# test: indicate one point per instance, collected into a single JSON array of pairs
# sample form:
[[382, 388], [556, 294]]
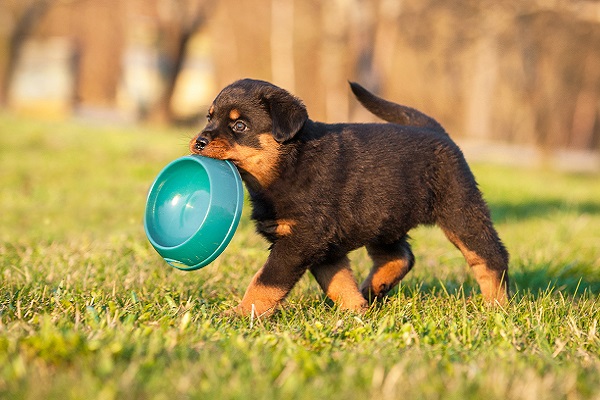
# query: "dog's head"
[[248, 123]]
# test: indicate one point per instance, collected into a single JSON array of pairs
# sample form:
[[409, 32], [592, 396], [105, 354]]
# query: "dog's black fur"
[[320, 190]]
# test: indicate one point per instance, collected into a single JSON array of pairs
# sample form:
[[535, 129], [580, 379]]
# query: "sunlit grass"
[[89, 310]]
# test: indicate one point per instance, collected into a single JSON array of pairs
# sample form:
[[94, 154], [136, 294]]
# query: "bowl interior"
[[178, 204]]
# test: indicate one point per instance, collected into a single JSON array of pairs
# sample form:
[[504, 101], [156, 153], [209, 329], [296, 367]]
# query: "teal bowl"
[[193, 209]]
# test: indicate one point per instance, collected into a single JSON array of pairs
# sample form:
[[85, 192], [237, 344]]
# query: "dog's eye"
[[239, 126], [208, 117]]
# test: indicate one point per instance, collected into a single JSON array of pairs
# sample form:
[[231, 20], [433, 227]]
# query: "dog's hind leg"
[[472, 232], [338, 283], [391, 262]]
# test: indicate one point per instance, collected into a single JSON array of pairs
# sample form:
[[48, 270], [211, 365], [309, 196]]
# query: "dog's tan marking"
[[234, 114], [284, 227], [492, 283], [388, 270], [211, 110], [339, 284], [280, 227], [261, 299], [261, 163]]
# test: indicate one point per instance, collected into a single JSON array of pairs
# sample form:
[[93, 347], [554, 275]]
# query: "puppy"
[[320, 190]]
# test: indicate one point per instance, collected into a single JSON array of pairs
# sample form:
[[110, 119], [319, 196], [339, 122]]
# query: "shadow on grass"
[[502, 211], [572, 281]]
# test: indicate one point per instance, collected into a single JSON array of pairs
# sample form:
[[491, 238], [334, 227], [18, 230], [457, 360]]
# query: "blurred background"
[[515, 80]]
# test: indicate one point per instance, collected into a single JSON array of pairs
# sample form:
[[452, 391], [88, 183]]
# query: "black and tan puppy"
[[321, 190]]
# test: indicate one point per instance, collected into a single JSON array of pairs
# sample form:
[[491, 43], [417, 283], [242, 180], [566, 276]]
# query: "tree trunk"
[[25, 25]]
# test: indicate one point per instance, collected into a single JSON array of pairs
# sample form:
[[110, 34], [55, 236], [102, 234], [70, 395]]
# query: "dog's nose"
[[201, 143]]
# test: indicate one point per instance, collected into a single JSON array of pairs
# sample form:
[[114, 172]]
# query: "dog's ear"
[[288, 115]]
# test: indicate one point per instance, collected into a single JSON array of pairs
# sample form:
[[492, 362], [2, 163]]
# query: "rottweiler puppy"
[[319, 191]]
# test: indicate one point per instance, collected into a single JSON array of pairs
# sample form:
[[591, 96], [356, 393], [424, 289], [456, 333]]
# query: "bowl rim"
[[200, 160]]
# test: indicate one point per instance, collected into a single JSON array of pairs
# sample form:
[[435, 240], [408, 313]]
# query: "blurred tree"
[[515, 71], [560, 61], [178, 21], [283, 71], [26, 15]]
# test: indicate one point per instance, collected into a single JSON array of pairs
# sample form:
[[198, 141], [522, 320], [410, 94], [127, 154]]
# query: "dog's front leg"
[[272, 283]]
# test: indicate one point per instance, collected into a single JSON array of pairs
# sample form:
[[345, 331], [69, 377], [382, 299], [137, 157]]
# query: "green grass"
[[89, 310]]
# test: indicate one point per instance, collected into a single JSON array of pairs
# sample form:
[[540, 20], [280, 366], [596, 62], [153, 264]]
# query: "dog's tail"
[[392, 112]]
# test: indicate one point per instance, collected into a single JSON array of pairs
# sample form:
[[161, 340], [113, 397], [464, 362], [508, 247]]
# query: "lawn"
[[89, 310]]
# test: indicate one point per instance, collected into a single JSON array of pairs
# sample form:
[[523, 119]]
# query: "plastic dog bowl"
[[193, 209]]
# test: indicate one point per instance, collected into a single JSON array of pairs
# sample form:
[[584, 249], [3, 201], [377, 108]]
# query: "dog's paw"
[[372, 296], [356, 305], [251, 311], [232, 312]]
